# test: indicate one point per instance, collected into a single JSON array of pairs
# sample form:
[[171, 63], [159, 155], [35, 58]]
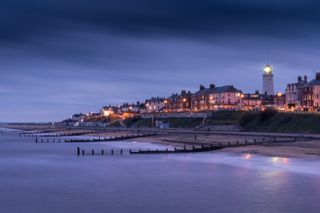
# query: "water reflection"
[[273, 160]]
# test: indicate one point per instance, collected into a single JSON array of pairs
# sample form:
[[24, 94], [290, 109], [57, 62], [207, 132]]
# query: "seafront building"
[[216, 98], [294, 93], [154, 104], [178, 102], [311, 94]]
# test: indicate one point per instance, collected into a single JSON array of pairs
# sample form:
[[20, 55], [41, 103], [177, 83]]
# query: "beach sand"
[[299, 149]]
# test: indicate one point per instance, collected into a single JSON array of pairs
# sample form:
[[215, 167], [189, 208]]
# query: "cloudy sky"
[[59, 57]]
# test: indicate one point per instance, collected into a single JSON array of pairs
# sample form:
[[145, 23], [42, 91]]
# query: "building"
[[154, 104], [216, 98], [200, 99], [267, 86], [294, 93], [178, 102], [129, 108], [311, 94], [279, 101], [183, 101], [251, 101]]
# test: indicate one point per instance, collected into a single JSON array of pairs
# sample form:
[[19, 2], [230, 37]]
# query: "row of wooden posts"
[[202, 148], [56, 135], [115, 138], [48, 141]]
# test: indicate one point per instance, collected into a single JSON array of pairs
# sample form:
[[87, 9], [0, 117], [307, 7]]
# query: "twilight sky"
[[59, 57]]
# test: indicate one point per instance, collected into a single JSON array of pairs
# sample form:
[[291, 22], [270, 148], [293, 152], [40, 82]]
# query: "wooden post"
[[92, 152], [195, 137], [78, 151], [83, 152], [102, 152], [111, 151], [121, 151]]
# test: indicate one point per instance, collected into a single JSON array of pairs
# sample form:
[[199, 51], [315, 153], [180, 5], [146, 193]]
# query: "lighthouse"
[[267, 87]]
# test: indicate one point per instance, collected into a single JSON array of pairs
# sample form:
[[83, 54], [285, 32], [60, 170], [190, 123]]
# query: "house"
[[154, 104], [183, 102], [216, 98], [129, 108], [178, 102], [311, 94], [251, 101], [294, 93]]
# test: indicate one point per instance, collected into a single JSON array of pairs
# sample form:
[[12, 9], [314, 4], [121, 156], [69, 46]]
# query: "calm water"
[[51, 178]]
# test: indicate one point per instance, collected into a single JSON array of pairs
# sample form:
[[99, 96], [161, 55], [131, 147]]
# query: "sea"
[[51, 177]]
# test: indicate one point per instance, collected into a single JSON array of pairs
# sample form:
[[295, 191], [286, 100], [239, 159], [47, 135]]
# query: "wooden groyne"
[[104, 139], [187, 149], [56, 135], [47, 140]]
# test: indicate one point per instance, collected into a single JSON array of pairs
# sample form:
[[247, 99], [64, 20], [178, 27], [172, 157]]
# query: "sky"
[[60, 57]]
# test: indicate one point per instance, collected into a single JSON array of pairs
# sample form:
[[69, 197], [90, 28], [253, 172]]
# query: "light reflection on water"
[[51, 178]]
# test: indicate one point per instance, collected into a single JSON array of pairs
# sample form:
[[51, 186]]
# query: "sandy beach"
[[300, 149]]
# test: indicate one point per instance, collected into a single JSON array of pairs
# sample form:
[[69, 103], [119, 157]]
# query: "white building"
[[267, 87], [154, 104]]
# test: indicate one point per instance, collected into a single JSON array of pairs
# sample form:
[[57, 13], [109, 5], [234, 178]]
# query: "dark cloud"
[[31, 19], [63, 56]]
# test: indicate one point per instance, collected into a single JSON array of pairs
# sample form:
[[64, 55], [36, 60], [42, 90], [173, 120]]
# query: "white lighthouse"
[[267, 87]]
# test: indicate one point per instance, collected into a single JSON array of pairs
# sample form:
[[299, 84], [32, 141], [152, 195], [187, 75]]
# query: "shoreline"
[[309, 150]]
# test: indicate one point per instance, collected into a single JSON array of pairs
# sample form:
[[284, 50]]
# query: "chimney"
[[202, 87], [305, 79], [183, 92], [299, 79], [212, 86], [318, 75]]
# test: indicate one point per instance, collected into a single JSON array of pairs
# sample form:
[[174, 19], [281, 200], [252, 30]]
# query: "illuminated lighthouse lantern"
[[267, 87]]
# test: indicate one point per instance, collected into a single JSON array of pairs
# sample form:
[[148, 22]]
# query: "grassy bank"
[[267, 121], [271, 121], [218, 118]]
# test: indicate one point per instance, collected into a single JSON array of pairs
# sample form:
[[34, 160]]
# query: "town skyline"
[[141, 97]]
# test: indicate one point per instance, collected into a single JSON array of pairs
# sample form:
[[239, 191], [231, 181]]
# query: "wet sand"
[[299, 149]]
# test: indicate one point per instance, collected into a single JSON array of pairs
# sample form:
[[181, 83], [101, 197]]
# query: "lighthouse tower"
[[267, 87]]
